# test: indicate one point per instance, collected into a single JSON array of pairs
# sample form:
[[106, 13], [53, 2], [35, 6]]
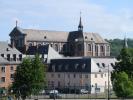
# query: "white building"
[[80, 72]]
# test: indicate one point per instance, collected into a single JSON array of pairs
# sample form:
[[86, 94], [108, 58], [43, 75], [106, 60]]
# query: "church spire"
[[125, 45], [80, 27]]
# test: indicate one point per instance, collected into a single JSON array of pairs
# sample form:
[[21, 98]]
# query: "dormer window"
[[59, 67], [112, 64], [83, 66], [8, 57], [66, 67], [103, 64], [14, 57], [45, 37], [85, 37], [76, 66], [98, 64], [20, 57], [2, 55], [7, 49]]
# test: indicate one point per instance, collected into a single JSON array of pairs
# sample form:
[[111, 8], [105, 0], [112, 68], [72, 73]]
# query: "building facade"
[[10, 58], [74, 43], [78, 73]]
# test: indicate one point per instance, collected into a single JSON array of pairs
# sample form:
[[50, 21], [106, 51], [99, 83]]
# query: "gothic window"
[[96, 48], [64, 47], [89, 47], [56, 47], [101, 48]]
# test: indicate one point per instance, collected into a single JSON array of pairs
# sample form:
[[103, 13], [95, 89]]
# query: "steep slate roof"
[[6, 49], [3, 61], [41, 35], [46, 35], [93, 37]]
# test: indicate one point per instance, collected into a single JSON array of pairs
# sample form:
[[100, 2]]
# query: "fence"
[[72, 92]]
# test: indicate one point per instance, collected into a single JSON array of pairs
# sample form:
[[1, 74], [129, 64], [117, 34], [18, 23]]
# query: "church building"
[[73, 43]]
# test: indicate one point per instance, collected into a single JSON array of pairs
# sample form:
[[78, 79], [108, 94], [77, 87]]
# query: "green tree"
[[122, 85], [29, 77], [122, 74]]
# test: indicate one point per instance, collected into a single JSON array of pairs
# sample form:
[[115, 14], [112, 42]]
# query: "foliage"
[[122, 85], [122, 74], [117, 44], [29, 77]]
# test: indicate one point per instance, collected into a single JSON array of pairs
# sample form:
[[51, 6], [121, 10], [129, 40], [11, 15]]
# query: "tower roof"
[[125, 45], [80, 27]]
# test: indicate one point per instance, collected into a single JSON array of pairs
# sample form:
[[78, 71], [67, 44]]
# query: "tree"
[[122, 85], [29, 77], [122, 74]]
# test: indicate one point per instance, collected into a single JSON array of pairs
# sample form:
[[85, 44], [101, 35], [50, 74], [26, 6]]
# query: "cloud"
[[64, 15]]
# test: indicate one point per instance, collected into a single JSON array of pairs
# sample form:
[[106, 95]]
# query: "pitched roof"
[[93, 37], [41, 35], [59, 36], [3, 61], [6, 49]]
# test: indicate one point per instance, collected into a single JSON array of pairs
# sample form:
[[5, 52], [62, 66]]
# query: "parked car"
[[84, 91], [55, 96], [54, 91]]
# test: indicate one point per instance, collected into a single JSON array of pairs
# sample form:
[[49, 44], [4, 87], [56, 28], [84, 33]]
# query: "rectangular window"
[[2, 79], [11, 68], [12, 77], [3, 69]]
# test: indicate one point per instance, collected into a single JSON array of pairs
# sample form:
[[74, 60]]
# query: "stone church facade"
[[74, 43]]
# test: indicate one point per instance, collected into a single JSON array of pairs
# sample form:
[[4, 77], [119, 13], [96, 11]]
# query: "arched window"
[[30, 44], [101, 48], [96, 48], [89, 47], [56, 47]]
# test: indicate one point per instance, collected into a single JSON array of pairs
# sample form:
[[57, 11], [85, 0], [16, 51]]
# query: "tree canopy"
[[29, 77], [122, 75]]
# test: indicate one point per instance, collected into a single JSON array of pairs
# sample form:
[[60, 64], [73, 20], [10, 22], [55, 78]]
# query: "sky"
[[110, 18]]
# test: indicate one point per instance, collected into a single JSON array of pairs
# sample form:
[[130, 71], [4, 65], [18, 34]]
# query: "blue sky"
[[109, 18]]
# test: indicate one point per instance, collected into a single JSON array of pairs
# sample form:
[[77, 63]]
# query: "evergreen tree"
[[29, 77]]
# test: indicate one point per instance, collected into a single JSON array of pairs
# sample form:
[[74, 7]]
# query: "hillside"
[[117, 44]]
